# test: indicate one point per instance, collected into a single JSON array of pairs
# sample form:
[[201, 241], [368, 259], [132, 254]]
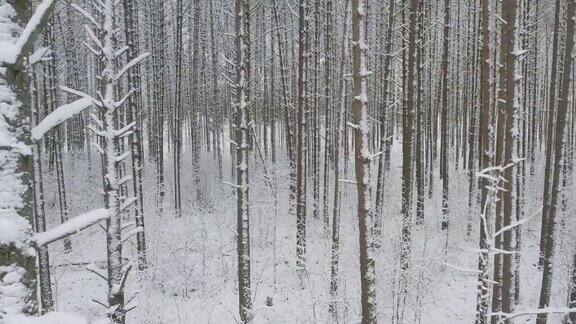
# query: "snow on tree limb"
[[511, 226], [11, 52], [81, 94], [528, 312], [60, 115], [39, 55], [72, 226], [86, 14], [132, 63]]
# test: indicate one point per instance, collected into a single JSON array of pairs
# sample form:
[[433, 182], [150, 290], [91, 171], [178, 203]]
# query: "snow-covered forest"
[[287, 161]]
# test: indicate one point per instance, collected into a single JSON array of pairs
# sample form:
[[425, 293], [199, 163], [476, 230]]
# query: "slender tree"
[[383, 122], [559, 131], [363, 158], [300, 139], [178, 110], [339, 129], [482, 305], [242, 134], [134, 109], [550, 132], [507, 102], [444, 152]]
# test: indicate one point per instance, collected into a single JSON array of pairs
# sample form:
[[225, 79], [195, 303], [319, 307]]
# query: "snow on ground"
[[192, 272]]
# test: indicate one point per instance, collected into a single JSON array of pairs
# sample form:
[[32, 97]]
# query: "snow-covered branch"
[[39, 55], [82, 94], [131, 64], [11, 52], [87, 15], [72, 226], [60, 115], [548, 310]]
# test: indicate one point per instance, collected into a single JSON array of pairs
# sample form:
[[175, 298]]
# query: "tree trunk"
[[384, 140], [362, 163], [18, 169], [483, 294], [557, 160], [300, 141], [550, 135], [178, 111], [242, 107], [339, 128], [444, 152], [134, 111], [506, 124]]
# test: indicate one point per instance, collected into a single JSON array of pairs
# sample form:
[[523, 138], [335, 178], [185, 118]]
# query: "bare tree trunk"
[[178, 111], [444, 167], [57, 139], [300, 140], [328, 108], [216, 93], [550, 135], [315, 154], [407, 152], [283, 62], [242, 131], [339, 128], [112, 159], [362, 163], [483, 295], [134, 111], [418, 140], [44, 278], [158, 102], [383, 134], [558, 161], [506, 123], [572, 290]]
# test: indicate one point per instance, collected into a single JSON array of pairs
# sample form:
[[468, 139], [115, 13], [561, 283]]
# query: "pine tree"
[[242, 136], [363, 158]]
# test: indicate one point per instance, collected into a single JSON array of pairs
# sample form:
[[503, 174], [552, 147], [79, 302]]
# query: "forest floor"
[[191, 276]]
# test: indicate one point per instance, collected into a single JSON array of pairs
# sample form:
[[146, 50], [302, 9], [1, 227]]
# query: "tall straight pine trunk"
[[483, 294], [548, 174], [559, 131], [242, 133], [301, 141], [506, 134], [17, 264], [362, 158]]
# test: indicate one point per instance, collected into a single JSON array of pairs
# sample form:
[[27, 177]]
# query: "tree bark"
[[362, 163], [242, 132], [557, 160]]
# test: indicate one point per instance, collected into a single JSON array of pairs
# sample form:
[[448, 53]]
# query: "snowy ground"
[[192, 276]]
